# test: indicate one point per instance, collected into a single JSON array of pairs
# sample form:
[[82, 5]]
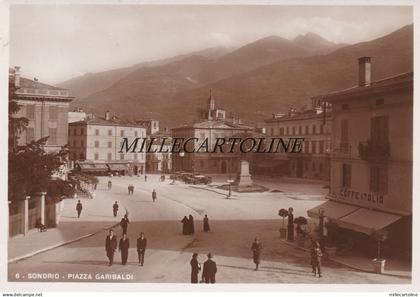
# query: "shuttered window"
[[346, 176], [379, 179], [344, 131], [379, 130]]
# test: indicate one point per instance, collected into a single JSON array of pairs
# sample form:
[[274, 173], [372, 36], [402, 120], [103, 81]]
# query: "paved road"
[[234, 223]]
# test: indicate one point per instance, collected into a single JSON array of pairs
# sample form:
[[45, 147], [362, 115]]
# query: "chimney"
[[17, 76], [364, 71], [107, 115]]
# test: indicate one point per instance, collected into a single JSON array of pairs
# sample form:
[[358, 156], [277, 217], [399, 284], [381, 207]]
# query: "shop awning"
[[332, 210], [92, 167], [367, 221], [117, 167]]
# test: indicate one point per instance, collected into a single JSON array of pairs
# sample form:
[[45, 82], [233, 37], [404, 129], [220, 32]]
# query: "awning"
[[367, 221], [332, 210], [92, 167], [117, 167]]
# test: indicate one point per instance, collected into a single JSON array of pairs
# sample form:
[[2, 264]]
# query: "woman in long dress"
[[185, 225], [191, 223], [206, 226], [256, 251]]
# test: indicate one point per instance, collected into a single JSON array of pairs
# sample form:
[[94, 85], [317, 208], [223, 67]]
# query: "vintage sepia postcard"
[[209, 143]]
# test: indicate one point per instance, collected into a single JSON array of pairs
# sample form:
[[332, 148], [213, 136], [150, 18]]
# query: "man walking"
[[195, 268], [141, 247], [316, 255], [154, 195], [123, 246], [79, 208], [109, 185], [209, 270], [256, 251], [124, 223], [115, 208], [110, 246]]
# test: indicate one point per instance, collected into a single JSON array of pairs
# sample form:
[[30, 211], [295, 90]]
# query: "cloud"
[[221, 39]]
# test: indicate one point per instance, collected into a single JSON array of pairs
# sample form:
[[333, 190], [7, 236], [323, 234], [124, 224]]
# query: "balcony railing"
[[374, 151], [343, 150]]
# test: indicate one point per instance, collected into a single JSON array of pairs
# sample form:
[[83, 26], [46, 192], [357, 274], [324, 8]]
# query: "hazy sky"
[[57, 42]]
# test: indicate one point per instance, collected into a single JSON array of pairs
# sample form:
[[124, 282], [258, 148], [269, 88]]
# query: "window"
[[293, 131], [321, 168], [272, 131], [81, 131], [202, 135], [380, 101], [30, 134], [82, 143], [306, 147], [96, 156], [379, 179], [300, 130], [313, 148], [75, 143], [287, 130], [81, 156], [52, 139], [379, 130], [313, 166], [30, 112], [96, 131], [96, 143], [136, 133], [53, 112], [122, 133], [121, 156], [135, 157], [109, 144], [321, 147], [109, 157], [306, 130], [321, 129], [313, 129], [346, 176], [344, 131], [109, 132], [281, 131]]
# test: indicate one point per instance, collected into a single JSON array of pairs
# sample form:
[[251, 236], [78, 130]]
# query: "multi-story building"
[[213, 125], [371, 166], [46, 109], [98, 141], [315, 127]]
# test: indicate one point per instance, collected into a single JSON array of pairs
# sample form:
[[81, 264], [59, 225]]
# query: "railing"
[[344, 150], [374, 151]]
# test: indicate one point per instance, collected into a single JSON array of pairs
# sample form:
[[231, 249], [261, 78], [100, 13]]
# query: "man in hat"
[[141, 247], [110, 246], [209, 270], [115, 208], [79, 208]]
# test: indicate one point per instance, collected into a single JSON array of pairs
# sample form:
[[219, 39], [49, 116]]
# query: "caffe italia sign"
[[367, 197]]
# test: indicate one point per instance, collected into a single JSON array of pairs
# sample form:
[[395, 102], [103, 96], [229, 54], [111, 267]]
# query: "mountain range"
[[269, 75]]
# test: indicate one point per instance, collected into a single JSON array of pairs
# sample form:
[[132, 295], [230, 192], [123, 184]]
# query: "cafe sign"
[[362, 197]]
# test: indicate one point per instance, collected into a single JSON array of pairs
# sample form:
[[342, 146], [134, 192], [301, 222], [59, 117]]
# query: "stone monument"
[[244, 176]]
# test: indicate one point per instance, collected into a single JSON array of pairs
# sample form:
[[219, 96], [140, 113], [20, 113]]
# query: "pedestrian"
[[141, 247], [154, 195], [290, 229], [115, 208], [206, 226], [316, 256], [145, 178], [109, 185], [132, 189], [124, 223], [191, 225], [195, 268], [185, 225], [41, 227], [110, 246], [209, 270], [129, 189], [123, 247], [79, 208], [256, 251]]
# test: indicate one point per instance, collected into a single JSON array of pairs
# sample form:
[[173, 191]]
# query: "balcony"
[[343, 151], [371, 151]]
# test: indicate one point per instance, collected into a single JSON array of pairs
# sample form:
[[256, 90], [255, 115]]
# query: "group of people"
[[209, 269], [130, 189], [123, 247], [188, 225]]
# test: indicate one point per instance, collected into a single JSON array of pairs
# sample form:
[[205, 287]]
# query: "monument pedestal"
[[244, 176]]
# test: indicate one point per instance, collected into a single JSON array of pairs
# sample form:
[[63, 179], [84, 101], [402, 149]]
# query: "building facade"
[[315, 127], [98, 141], [371, 166], [46, 108]]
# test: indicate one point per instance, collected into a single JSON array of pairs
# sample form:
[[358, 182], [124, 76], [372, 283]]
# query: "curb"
[[56, 245], [211, 190], [344, 263]]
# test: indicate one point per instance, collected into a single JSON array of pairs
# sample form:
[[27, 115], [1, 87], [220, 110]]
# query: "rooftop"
[[111, 122], [307, 114], [389, 81], [214, 124]]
